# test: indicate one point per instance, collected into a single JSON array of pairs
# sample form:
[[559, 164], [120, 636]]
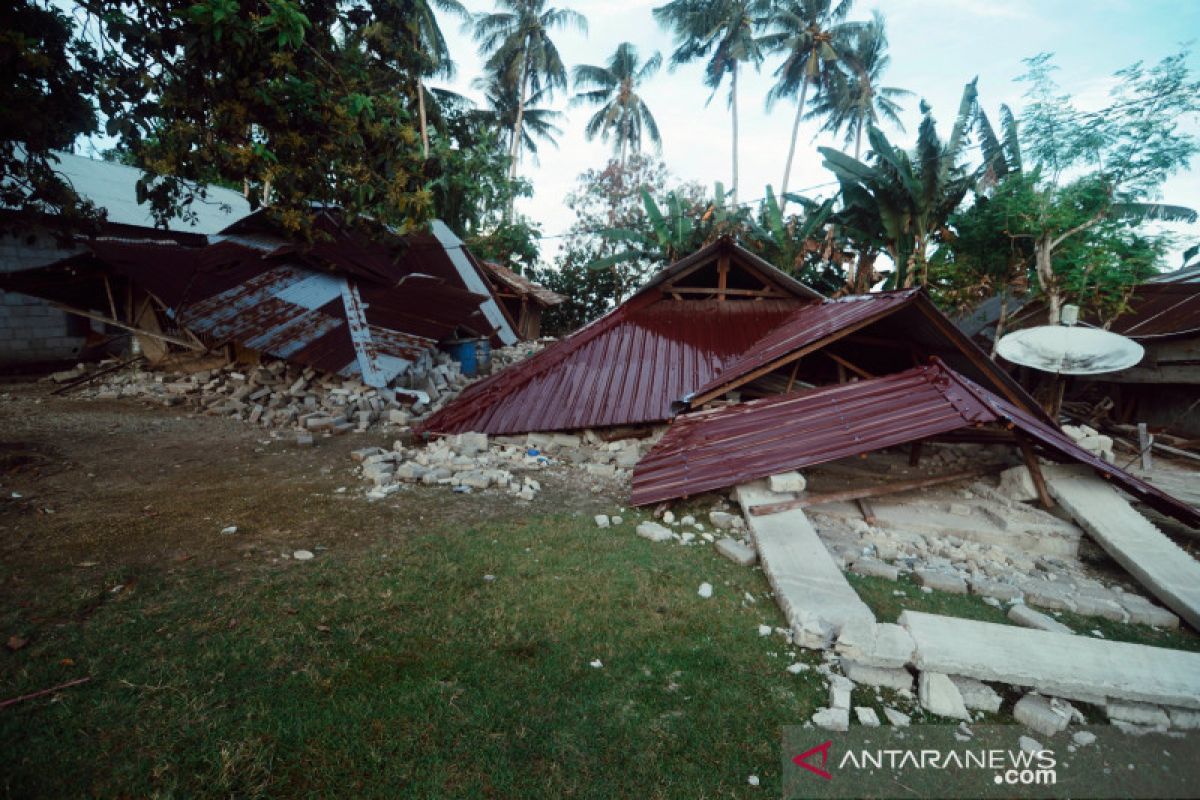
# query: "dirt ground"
[[105, 484]]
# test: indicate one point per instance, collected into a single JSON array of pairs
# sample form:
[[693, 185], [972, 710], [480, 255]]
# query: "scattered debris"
[[705, 590], [303, 555]]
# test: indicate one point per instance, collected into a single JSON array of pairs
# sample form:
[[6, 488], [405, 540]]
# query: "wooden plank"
[[66, 387], [1144, 442], [866, 491], [112, 303], [862, 373], [722, 277], [118, 324], [868, 510], [787, 359], [1035, 471]]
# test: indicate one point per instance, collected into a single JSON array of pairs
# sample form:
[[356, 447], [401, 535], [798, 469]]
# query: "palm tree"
[[426, 40], [503, 108], [721, 31], [521, 55], [622, 110], [854, 100], [812, 34]]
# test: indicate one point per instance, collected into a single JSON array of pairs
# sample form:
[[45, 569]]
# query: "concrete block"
[[1017, 484], [1026, 617], [866, 716], [977, 695], [1184, 720], [889, 678], [941, 581], [654, 532], [787, 482], [875, 644], [602, 520], [1136, 713], [875, 569], [721, 520], [737, 552], [989, 588], [1036, 712], [938, 695], [833, 719], [896, 717]]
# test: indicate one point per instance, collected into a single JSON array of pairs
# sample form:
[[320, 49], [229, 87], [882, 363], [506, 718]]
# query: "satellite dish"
[[1070, 351]]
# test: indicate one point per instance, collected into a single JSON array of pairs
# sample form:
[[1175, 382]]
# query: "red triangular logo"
[[802, 760]]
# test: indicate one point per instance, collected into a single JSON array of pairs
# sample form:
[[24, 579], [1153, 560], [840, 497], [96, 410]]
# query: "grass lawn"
[[399, 670]]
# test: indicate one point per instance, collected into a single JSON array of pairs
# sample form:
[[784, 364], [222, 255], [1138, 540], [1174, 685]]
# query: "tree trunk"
[[424, 120], [1001, 322], [734, 111], [1048, 280], [864, 271], [787, 167], [858, 141], [515, 145]]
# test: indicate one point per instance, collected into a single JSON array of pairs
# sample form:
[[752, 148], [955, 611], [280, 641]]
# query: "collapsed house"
[[720, 320], [372, 308], [524, 300]]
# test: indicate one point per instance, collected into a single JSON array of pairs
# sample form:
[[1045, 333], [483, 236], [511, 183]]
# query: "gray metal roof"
[[113, 187]]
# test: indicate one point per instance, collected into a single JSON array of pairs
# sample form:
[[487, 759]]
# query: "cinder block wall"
[[30, 329]]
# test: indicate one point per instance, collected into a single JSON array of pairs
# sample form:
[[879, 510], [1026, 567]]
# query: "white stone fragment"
[[834, 719], [938, 695], [654, 532], [866, 716], [895, 717], [302, 555], [1037, 713], [602, 520], [705, 590], [737, 552]]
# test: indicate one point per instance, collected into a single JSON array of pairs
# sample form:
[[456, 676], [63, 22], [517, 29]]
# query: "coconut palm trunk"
[[787, 167], [734, 109], [424, 119], [515, 147]]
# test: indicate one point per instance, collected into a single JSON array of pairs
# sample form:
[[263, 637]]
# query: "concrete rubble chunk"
[[1029, 745], [1163, 567], [885, 677], [941, 581], [787, 482], [875, 569], [602, 520], [1036, 712], [654, 532], [833, 719], [996, 589], [938, 695], [896, 717], [1137, 713], [1183, 719], [885, 645], [866, 716], [977, 695], [1083, 738], [1017, 484], [1026, 617], [736, 552], [811, 590], [722, 520], [1056, 664]]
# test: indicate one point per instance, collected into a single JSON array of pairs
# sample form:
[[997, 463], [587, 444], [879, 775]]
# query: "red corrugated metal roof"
[[626, 367], [732, 445], [905, 315]]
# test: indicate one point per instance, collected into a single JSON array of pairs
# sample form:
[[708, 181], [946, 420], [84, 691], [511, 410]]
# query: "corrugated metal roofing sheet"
[[522, 285], [1159, 310], [732, 445], [626, 367]]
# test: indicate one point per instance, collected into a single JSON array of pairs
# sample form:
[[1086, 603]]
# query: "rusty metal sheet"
[[1159, 310], [724, 447], [716, 449], [625, 368]]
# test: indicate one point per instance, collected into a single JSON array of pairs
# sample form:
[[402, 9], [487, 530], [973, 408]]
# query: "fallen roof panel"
[[729, 446]]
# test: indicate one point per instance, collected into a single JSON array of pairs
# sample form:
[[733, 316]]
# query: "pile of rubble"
[[278, 394], [475, 462]]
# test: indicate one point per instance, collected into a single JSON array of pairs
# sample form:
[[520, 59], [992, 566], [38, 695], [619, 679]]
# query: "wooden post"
[[1145, 445], [914, 454], [722, 277], [792, 377], [1035, 471]]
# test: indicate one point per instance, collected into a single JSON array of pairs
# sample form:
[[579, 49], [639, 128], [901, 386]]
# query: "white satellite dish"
[[1067, 350]]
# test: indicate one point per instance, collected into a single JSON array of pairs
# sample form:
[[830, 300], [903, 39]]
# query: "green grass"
[[399, 671]]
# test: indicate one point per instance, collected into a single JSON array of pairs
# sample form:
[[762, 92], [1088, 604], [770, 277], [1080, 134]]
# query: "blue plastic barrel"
[[471, 354]]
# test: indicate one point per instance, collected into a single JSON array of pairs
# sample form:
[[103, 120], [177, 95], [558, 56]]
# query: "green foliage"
[[44, 105], [614, 87]]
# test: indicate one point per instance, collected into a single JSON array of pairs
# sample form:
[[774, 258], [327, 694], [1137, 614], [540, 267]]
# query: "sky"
[[936, 46]]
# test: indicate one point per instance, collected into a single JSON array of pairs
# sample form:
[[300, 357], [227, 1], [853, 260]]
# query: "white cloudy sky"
[[936, 47]]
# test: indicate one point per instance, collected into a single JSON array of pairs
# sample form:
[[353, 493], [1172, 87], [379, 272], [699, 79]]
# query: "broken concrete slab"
[[896, 717], [1037, 713], [873, 644], [938, 695], [722, 520], [1017, 484], [977, 695], [1057, 664], [866, 716], [1028, 618], [1159, 564], [810, 589], [737, 552], [997, 589], [875, 569], [1184, 720]]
